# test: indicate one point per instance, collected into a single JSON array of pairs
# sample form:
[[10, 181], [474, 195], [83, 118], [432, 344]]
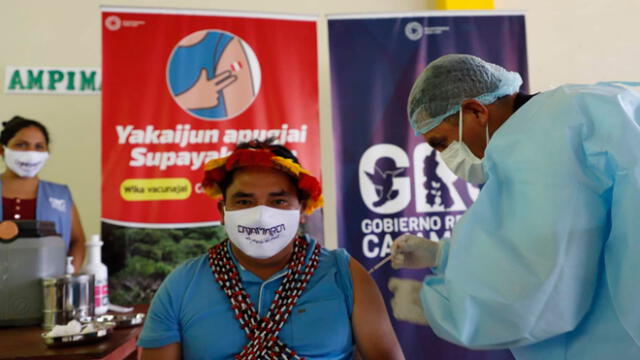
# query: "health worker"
[[25, 150], [545, 262]]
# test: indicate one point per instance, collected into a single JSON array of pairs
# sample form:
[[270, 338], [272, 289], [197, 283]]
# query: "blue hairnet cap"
[[449, 80]]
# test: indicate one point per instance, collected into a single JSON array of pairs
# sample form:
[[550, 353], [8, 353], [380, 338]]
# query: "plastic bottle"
[[70, 268], [95, 266]]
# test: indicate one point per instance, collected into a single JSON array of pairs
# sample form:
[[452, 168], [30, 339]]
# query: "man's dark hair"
[[277, 150], [17, 123], [268, 144]]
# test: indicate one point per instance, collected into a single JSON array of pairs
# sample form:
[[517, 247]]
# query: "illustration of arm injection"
[[236, 66], [228, 75]]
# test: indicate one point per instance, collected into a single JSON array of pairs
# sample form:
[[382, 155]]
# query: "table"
[[26, 343]]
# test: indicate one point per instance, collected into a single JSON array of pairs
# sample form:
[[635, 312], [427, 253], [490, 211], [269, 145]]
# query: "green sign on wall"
[[52, 80]]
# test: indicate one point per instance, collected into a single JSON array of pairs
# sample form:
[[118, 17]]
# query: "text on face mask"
[[274, 230]]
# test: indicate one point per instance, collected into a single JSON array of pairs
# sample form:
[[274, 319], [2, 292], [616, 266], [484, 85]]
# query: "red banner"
[[183, 87]]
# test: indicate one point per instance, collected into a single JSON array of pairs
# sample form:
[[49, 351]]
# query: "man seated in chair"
[[267, 292]]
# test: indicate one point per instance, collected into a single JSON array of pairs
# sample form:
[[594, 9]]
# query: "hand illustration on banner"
[[199, 96], [213, 75]]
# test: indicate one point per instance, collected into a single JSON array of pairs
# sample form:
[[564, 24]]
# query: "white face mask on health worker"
[[25, 163], [461, 161], [261, 231]]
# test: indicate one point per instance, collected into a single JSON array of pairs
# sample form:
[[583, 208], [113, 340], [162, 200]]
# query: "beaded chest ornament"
[[263, 332]]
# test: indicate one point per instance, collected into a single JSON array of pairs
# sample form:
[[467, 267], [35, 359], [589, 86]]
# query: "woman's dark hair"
[[277, 150], [17, 123]]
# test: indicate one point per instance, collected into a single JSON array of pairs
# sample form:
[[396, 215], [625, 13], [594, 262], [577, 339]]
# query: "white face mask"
[[25, 163], [462, 162], [261, 231]]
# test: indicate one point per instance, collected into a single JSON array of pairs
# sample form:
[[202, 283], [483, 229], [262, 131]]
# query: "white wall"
[[568, 41], [580, 41]]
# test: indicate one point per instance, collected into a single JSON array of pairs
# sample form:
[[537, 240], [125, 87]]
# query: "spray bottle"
[[70, 269], [95, 266]]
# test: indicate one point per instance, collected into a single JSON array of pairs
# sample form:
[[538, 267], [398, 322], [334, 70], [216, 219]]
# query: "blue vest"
[[53, 203]]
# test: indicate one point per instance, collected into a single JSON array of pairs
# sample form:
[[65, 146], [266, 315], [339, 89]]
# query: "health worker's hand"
[[414, 252], [405, 303]]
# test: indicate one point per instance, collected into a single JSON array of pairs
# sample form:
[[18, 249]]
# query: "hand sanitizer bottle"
[[95, 266]]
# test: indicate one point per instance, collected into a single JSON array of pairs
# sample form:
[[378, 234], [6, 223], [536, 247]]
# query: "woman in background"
[[25, 149]]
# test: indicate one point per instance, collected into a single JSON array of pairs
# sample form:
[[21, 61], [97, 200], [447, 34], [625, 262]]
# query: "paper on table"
[[120, 309], [71, 328]]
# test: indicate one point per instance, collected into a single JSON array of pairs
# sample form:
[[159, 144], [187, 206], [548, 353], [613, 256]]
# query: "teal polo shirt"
[[191, 308]]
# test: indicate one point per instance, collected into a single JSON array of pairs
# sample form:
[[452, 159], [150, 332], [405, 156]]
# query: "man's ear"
[[303, 218], [221, 210], [479, 111]]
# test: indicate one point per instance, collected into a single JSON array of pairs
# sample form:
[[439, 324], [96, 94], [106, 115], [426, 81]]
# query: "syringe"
[[378, 265]]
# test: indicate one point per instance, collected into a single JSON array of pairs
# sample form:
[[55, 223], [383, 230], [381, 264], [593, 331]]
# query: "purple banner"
[[389, 181]]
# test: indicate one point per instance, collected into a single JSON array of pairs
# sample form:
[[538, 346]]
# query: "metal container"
[[67, 298], [35, 253]]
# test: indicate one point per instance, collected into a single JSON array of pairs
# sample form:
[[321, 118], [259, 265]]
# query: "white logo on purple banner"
[[390, 178]]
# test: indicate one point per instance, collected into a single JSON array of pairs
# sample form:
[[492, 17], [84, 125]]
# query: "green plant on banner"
[[139, 259]]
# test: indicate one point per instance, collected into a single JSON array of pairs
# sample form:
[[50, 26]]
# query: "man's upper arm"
[[167, 352], [372, 328]]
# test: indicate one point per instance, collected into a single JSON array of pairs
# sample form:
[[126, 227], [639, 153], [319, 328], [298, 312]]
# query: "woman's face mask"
[[25, 163], [261, 231], [461, 161]]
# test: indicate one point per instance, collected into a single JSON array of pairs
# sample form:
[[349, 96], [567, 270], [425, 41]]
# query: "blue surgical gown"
[[547, 260]]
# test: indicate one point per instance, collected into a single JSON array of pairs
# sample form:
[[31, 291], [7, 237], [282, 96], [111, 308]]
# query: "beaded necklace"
[[263, 333]]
